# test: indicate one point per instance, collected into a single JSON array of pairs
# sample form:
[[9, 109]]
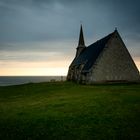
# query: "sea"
[[17, 80]]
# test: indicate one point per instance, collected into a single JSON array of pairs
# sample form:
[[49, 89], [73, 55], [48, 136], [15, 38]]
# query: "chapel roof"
[[90, 54]]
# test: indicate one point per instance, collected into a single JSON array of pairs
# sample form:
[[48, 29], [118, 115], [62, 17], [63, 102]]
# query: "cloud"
[[40, 20], [50, 20]]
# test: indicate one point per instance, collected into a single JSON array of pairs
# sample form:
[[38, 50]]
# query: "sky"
[[39, 37]]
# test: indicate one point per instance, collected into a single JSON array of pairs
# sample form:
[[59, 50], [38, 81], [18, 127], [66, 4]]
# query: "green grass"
[[68, 111]]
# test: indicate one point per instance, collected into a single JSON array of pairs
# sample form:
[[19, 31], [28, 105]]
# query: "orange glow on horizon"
[[34, 72], [50, 68], [34, 68]]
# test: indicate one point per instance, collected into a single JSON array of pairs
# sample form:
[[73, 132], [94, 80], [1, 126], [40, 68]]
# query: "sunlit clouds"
[[35, 64], [37, 60], [34, 71]]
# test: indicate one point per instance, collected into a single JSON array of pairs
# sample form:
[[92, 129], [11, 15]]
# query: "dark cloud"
[[28, 20], [36, 21]]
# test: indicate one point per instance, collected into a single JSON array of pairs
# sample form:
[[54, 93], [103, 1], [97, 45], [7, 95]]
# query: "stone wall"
[[75, 73], [114, 64]]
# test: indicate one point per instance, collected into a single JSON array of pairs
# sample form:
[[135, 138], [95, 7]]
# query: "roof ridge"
[[109, 35]]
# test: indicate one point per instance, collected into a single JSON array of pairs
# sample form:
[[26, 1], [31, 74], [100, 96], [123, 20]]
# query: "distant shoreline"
[[17, 80]]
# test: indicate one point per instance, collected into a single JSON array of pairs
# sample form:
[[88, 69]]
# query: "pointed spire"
[[81, 44], [81, 37]]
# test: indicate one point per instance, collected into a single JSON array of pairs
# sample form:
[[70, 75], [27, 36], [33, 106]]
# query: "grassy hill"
[[67, 111]]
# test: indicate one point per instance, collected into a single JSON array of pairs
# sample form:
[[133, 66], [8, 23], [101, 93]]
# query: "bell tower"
[[81, 44]]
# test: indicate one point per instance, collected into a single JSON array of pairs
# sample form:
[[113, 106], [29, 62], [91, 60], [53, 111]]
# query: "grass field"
[[67, 111]]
